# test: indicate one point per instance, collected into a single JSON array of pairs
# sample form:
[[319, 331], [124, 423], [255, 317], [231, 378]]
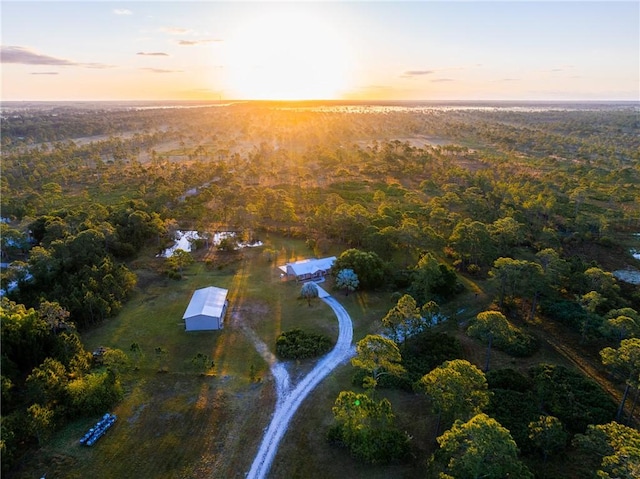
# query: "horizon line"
[[327, 100]]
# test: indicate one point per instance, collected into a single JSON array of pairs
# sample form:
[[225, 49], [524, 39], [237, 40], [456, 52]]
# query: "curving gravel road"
[[290, 401]]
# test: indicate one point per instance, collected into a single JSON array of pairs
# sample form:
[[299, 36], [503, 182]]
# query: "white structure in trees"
[[206, 309], [307, 269]]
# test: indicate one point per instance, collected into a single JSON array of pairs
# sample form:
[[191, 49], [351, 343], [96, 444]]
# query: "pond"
[[184, 238]]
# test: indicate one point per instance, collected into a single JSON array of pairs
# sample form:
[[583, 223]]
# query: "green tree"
[[493, 328], [406, 319], [43, 266], [432, 280], [517, 279], [116, 360], [41, 421], [480, 448], [602, 281], [24, 337], [623, 323], [69, 350], [94, 392], [506, 233], [554, 268], [179, 259], [426, 276], [367, 428], [548, 435], [347, 280], [309, 291], [365, 264], [602, 291], [457, 389], [612, 448], [472, 241], [505, 272], [55, 316], [626, 362], [46, 383], [12, 241], [377, 355]]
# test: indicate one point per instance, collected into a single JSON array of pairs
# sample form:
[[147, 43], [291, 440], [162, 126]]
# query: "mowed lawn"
[[175, 421]]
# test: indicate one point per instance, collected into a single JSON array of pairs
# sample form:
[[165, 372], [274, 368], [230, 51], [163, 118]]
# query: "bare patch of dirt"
[[249, 313]]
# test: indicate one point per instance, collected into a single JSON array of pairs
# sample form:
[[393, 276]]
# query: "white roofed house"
[[206, 309], [309, 269]]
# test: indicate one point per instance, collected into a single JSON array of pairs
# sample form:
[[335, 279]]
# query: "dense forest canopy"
[[541, 201]]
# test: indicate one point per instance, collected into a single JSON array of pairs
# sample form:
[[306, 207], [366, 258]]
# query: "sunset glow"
[[287, 56]]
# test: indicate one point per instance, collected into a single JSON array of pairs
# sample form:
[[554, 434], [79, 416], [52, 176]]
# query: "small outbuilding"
[[309, 269], [206, 309]]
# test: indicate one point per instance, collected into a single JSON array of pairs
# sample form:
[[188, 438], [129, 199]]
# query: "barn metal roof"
[[207, 301]]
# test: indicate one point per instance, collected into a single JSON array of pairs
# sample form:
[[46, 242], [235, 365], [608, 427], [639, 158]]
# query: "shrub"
[[387, 381], [571, 397], [473, 270], [94, 393], [514, 410], [367, 429], [297, 344], [509, 379], [566, 312], [426, 350], [505, 336]]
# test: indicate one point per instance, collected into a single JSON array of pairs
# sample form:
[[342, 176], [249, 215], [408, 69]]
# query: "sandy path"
[[278, 370], [289, 402]]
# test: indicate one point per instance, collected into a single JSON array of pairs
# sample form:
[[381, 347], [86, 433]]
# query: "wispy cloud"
[[438, 80], [24, 56], [198, 42], [153, 54], [417, 73], [161, 70], [176, 30], [44, 73], [122, 11], [563, 68], [99, 66], [508, 79]]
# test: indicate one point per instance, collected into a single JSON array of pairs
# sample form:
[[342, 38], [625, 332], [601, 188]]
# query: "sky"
[[417, 50]]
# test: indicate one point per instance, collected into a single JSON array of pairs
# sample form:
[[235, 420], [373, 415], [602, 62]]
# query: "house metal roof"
[[311, 266]]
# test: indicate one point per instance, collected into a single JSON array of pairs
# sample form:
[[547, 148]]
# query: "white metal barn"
[[206, 309]]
